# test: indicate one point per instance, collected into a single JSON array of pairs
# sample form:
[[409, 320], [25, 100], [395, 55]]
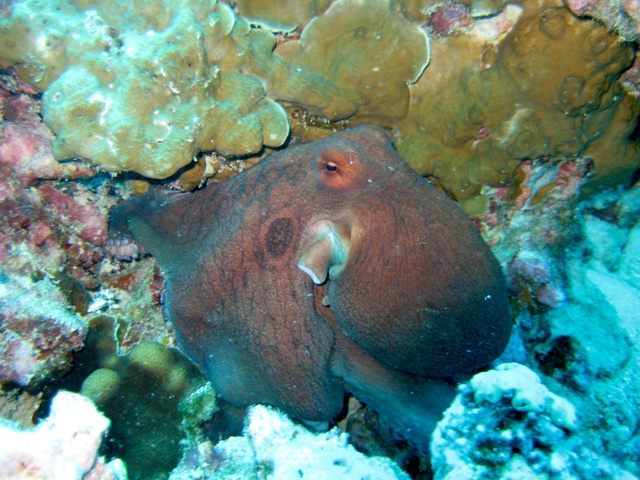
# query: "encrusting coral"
[[505, 422], [543, 84], [147, 86], [273, 446], [281, 15], [366, 49], [131, 86], [38, 331]]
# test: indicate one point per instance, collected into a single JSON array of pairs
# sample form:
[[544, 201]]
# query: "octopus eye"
[[332, 167]]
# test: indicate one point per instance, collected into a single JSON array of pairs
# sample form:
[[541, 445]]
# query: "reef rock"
[[274, 446], [62, 447], [506, 424], [39, 331]]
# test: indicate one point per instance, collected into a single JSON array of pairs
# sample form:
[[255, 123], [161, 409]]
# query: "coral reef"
[[506, 424], [156, 400], [477, 103], [138, 88], [274, 447], [55, 224], [572, 269], [62, 447], [39, 332], [622, 16], [25, 148], [523, 107], [150, 89]]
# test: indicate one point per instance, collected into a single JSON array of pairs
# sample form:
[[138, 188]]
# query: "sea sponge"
[[63, 446]]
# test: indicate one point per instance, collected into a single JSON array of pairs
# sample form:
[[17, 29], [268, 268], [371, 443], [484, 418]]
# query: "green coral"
[[133, 85], [281, 15], [155, 398], [101, 386], [365, 48]]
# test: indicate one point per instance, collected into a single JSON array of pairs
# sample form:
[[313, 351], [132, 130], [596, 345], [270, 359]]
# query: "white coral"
[[64, 446], [289, 451]]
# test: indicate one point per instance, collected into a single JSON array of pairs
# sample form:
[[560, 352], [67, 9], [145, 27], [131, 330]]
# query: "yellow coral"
[[546, 88]]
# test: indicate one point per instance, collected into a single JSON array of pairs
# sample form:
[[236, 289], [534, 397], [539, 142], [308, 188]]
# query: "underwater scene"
[[319, 239]]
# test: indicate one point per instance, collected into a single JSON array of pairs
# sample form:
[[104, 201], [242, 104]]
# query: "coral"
[[56, 226], [274, 447], [131, 294], [281, 15], [582, 256], [543, 84], [137, 88], [602, 320], [153, 396], [52, 227], [630, 80], [62, 447], [91, 223], [25, 142], [101, 386], [18, 405], [505, 423], [147, 89], [39, 332], [622, 16], [366, 49]]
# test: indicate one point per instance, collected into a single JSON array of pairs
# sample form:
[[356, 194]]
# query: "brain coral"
[[132, 85]]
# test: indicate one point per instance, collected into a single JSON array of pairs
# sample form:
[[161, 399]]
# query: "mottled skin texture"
[[413, 290]]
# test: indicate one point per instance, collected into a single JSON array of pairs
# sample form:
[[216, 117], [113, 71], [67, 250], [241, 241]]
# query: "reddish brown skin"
[[421, 295]]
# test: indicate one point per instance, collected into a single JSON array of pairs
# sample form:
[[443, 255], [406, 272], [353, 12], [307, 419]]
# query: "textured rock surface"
[[506, 424], [62, 447], [274, 447], [38, 331]]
